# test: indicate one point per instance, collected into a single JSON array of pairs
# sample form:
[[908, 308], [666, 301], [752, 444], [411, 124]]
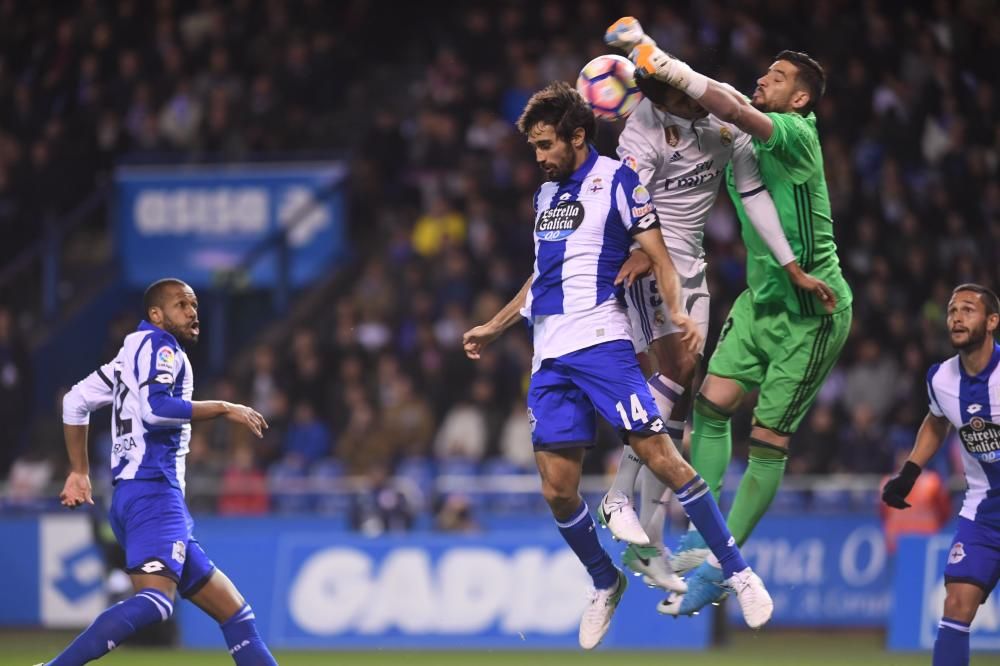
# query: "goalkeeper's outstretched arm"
[[720, 99]]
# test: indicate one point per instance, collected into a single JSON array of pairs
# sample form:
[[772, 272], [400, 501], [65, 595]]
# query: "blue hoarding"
[[315, 588], [821, 570], [193, 222], [918, 594]]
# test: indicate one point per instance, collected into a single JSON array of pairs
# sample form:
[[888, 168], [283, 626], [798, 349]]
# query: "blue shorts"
[[153, 525], [565, 392], [974, 556]]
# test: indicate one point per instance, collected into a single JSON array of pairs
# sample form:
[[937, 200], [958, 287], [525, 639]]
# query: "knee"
[[656, 450], [709, 409], [960, 607], [561, 498], [163, 602]]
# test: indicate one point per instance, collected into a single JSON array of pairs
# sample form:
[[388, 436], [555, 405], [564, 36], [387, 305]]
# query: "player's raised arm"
[[475, 339], [88, 395], [718, 98]]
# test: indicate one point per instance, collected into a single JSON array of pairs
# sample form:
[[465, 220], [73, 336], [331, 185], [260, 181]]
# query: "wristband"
[[910, 471]]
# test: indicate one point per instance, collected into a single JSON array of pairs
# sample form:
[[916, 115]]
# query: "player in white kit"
[[964, 393], [680, 153]]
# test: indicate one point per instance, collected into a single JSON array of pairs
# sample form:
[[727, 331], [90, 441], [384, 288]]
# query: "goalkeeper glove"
[[898, 487], [650, 60], [626, 34]]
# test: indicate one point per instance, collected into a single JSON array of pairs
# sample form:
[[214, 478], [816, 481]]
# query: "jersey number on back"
[[122, 426]]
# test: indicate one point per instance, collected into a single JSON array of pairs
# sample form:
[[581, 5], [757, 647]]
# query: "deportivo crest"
[[558, 223], [595, 185], [725, 136], [957, 553], [672, 134]]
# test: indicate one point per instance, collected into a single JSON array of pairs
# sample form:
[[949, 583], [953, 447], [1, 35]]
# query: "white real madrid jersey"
[[682, 163], [971, 403], [583, 229]]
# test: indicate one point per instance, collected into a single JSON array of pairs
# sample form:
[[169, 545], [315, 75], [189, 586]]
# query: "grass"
[[745, 649]]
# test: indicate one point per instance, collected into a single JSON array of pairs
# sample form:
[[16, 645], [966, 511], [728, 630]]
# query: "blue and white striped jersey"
[[149, 385], [971, 403], [583, 229]]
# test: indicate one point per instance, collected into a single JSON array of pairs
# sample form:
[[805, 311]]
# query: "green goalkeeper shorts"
[[787, 355]]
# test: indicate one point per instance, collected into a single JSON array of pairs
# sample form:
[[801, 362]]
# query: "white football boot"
[[596, 618], [651, 563], [616, 513]]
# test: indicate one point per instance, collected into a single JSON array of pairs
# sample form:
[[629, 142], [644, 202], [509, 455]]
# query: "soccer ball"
[[608, 84]]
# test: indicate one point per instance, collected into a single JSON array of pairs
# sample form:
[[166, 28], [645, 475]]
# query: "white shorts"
[[650, 316]]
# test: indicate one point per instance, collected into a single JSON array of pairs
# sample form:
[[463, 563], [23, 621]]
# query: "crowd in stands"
[[422, 101]]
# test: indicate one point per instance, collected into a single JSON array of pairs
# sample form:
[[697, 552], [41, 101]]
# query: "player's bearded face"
[[180, 315], [967, 320], [776, 88], [554, 155]]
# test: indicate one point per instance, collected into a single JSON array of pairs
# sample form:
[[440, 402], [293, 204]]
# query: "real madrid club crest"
[[673, 135], [725, 136]]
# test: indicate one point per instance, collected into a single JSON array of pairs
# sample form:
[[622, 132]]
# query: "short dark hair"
[[810, 75], [153, 296], [560, 105], [653, 89], [988, 298]]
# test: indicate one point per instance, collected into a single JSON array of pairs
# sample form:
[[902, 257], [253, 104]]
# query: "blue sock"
[[581, 535], [245, 644], [114, 626], [951, 647], [701, 508]]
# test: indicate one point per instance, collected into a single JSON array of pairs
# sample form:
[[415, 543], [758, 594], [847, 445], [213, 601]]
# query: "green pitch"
[[746, 649]]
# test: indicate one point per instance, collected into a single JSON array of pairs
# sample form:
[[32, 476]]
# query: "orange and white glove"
[[626, 34], [651, 60]]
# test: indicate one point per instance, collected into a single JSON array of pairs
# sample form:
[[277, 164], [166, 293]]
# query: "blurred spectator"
[[454, 514], [380, 507], [15, 391], [307, 438], [871, 380], [244, 486], [515, 438]]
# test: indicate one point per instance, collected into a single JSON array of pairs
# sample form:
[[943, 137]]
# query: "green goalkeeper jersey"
[[791, 167]]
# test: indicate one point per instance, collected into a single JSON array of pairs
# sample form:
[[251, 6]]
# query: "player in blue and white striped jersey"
[[964, 393], [586, 218], [149, 385]]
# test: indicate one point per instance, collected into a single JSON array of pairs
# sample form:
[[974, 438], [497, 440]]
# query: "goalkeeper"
[[777, 337]]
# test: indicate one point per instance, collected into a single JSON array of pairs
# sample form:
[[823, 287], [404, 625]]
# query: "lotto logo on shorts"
[[180, 552], [152, 567], [957, 553]]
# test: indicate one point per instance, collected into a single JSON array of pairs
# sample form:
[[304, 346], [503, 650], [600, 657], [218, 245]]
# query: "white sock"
[[653, 506], [628, 470]]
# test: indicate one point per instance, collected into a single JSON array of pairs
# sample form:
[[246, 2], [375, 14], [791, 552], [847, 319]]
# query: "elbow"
[[74, 409], [166, 412]]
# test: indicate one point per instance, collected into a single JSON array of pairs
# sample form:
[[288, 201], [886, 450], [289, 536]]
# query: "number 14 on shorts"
[[639, 415]]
